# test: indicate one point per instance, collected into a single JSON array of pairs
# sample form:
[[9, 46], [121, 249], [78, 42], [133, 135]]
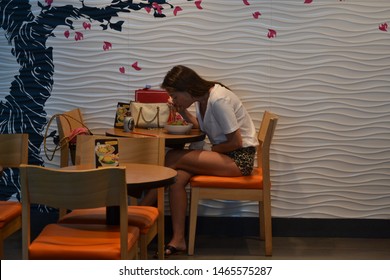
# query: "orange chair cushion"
[[254, 181], [142, 217], [80, 242], [9, 210]]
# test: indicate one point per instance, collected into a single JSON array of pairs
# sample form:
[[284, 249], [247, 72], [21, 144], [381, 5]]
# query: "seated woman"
[[223, 118]]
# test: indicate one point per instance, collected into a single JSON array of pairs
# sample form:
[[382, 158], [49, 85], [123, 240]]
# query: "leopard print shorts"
[[244, 159]]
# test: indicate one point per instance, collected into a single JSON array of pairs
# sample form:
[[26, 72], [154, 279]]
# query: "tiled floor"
[[251, 248]]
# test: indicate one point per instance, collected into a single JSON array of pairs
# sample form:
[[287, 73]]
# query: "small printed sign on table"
[[106, 152], [121, 111]]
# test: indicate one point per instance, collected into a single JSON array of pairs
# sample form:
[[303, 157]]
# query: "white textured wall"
[[326, 73]]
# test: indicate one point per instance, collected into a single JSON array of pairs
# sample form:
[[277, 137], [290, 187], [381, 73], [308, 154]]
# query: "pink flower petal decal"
[[87, 25], [122, 70], [271, 33], [256, 15], [198, 4], [135, 66], [147, 9], [49, 2], [246, 2], [176, 10], [158, 7], [308, 1], [78, 36], [383, 27], [66, 34], [107, 46]]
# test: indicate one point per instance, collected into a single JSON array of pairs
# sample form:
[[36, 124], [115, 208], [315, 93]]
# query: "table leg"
[[160, 223], [112, 215]]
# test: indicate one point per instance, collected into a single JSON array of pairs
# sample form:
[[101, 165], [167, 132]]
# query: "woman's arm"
[[233, 142], [189, 118]]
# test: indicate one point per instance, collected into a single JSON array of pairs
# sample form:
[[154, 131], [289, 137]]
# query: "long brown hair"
[[182, 78]]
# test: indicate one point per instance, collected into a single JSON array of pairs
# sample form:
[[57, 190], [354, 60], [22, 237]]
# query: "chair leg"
[[7, 231], [133, 255], [1, 248], [160, 224], [267, 228], [261, 220], [143, 246], [193, 218]]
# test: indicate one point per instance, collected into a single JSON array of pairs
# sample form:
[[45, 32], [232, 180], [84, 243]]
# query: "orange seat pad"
[[142, 217], [80, 242], [253, 181], [9, 210]]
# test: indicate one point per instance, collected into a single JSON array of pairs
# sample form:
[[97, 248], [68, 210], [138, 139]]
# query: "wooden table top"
[[140, 177], [170, 139]]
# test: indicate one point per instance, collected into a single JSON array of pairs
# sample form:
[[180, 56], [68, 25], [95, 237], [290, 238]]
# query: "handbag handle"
[[149, 121]]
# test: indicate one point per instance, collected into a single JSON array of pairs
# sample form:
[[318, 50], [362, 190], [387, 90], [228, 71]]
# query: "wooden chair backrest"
[[13, 150], [73, 189], [265, 135], [150, 150], [66, 123]]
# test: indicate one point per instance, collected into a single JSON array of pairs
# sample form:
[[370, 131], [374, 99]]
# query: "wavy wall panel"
[[326, 73]]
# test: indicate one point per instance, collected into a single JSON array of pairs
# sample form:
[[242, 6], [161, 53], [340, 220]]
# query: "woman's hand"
[[233, 142], [189, 118]]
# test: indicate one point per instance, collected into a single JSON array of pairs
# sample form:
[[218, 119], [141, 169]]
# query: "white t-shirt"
[[225, 114]]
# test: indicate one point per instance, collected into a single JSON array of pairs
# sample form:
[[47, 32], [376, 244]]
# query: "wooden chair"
[[132, 150], [73, 189], [66, 123], [13, 151], [255, 187]]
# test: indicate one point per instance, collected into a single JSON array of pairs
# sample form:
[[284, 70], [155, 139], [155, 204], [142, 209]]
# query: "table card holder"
[[106, 152], [121, 110]]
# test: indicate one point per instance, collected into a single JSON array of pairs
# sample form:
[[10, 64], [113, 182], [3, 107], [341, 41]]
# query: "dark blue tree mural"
[[23, 110]]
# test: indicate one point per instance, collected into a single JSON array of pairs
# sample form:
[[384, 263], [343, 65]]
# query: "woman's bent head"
[[183, 79]]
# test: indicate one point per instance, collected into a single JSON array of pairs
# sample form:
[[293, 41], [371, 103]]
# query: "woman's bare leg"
[[150, 198], [202, 162], [178, 206], [187, 163]]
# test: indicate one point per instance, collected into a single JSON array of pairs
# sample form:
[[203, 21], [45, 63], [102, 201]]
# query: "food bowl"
[[109, 160], [104, 149], [178, 128]]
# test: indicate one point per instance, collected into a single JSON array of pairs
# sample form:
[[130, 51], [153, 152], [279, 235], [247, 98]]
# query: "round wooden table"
[[170, 139], [141, 177]]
